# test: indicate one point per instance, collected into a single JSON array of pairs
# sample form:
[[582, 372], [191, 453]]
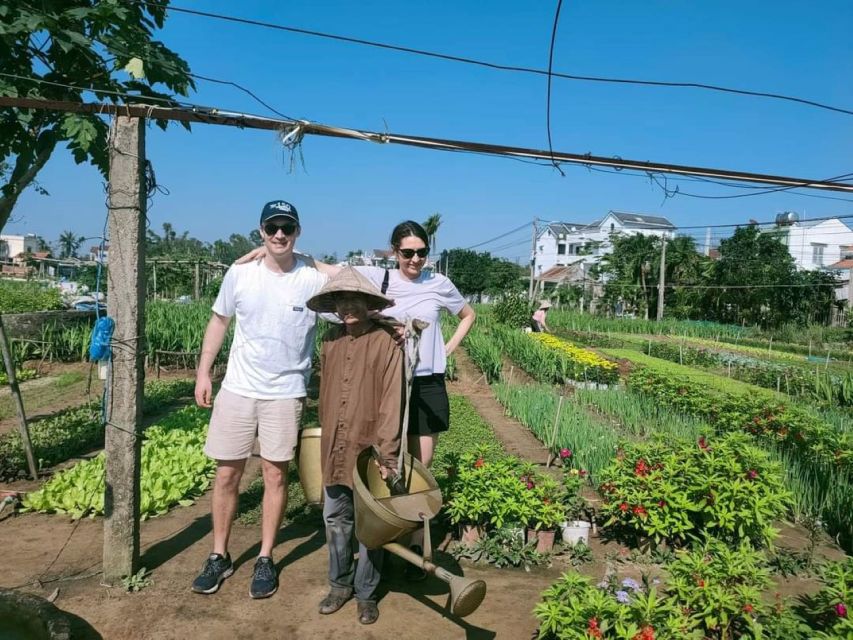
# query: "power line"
[[550, 76], [496, 66], [294, 131], [503, 235]]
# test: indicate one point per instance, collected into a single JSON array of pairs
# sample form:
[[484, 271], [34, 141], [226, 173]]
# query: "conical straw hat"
[[544, 305], [351, 281]]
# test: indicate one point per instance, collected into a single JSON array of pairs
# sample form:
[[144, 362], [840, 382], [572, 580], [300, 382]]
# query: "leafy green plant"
[[21, 375], [174, 471], [23, 297], [513, 310], [138, 581], [577, 554], [828, 610], [680, 491], [503, 547]]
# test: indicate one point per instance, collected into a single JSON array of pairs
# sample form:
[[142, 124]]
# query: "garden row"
[[830, 384], [76, 430]]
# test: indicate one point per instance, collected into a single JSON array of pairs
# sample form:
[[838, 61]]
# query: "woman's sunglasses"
[[408, 254], [288, 228]]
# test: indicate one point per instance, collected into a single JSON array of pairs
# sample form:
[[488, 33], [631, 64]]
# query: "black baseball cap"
[[279, 208]]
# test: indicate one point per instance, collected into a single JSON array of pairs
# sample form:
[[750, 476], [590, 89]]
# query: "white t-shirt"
[[270, 356], [424, 299]]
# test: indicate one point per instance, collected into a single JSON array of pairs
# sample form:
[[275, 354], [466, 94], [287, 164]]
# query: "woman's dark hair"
[[406, 229]]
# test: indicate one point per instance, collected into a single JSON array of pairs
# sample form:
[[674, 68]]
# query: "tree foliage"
[[475, 274], [64, 50]]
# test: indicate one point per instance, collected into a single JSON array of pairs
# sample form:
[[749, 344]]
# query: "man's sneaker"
[[264, 580], [216, 568]]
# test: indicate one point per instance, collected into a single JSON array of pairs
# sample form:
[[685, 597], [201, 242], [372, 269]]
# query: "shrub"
[[24, 297], [679, 491], [828, 611], [513, 310]]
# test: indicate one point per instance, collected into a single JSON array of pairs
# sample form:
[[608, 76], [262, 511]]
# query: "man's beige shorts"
[[236, 419]]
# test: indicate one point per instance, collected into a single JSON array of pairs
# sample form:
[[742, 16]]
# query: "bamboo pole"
[[19, 401]]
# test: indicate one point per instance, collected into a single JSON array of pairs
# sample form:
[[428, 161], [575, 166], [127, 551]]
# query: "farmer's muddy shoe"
[[216, 568], [264, 579], [334, 601], [368, 612]]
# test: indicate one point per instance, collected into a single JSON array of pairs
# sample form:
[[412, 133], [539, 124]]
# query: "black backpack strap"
[[385, 282]]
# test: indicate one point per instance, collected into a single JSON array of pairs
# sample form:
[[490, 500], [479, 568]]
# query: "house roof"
[[566, 227], [383, 253], [640, 220], [560, 273], [847, 263], [808, 224]]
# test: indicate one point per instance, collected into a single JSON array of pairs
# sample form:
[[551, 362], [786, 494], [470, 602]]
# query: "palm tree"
[[69, 243], [431, 226]]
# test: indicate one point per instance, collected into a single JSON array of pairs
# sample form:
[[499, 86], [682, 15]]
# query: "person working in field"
[[264, 387], [537, 322], [361, 391]]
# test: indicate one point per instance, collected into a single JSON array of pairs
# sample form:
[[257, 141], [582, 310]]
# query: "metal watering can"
[[381, 518]]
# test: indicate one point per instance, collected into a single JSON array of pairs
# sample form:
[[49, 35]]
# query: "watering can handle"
[[411, 356]]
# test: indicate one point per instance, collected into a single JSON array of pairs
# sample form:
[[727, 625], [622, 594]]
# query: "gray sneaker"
[[216, 568]]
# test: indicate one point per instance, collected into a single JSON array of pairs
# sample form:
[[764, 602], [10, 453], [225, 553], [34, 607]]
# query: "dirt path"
[[515, 437]]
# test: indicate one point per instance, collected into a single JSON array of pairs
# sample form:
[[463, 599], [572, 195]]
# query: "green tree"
[[431, 226], [627, 271], [103, 47], [68, 243], [469, 271], [751, 281], [505, 277]]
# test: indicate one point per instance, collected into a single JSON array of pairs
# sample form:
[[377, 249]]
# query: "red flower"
[[748, 608], [641, 468], [530, 485], [565, 453], [841, 610], [592, 629], [640, 511], [582, 473], [646, 633], [661, 504], [480, 462], [752, 474], [703, 444], [623, 507]]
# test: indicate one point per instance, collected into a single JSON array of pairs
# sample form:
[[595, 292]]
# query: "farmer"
[[360, 405], [264, 387], [537, 322]]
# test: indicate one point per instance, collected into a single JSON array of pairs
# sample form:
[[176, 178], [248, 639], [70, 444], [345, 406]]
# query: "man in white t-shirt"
[[264, 387]]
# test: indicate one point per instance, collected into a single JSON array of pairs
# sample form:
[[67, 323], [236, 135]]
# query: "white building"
[[814, 244], [565, 243], [13, 246]]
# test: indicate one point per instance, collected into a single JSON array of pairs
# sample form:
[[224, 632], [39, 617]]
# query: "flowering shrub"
[[678, 491], [828, 610], [579, 363], [573, 479], [732, 406], [500, 491], [713, 593]]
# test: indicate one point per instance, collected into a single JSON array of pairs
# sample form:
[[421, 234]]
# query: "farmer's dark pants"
[[338, 513]]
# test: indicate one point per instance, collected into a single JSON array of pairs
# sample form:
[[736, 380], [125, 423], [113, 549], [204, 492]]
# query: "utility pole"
[[532, 262], [662, 280], [126, 305]]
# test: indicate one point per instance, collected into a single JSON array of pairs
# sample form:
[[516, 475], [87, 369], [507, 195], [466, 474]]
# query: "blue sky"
[[351, 193]]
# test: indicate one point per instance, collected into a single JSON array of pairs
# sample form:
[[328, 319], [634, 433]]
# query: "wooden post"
[[126, 305], [196, 284], [662, 278], [19, 401]]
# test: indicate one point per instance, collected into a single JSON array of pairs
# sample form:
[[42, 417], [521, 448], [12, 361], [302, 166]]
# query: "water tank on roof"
[[787, 218]]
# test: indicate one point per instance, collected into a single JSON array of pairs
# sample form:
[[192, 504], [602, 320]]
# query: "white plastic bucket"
[[575, 531]]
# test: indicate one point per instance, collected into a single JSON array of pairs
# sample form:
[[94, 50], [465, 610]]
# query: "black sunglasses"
[[408, 254], [289, 228]]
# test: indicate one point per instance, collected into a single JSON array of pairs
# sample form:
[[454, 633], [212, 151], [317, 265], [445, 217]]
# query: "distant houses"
[[565, 251], [813, 244]]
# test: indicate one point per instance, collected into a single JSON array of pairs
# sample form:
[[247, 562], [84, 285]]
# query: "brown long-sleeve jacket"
[[361, 391]]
